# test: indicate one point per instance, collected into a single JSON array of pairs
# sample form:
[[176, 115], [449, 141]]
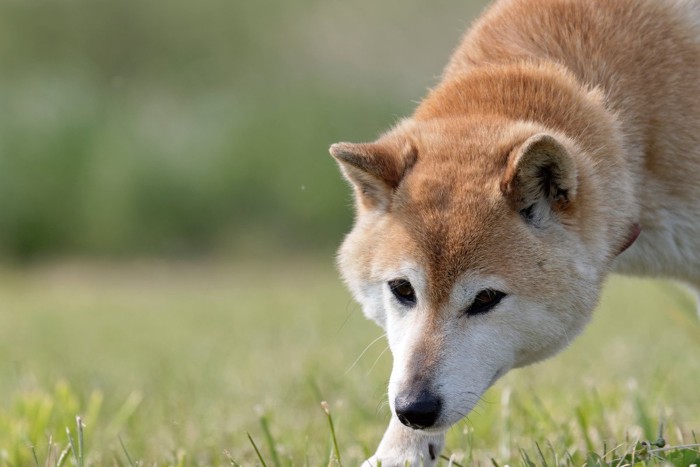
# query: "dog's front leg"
[[402, 446]]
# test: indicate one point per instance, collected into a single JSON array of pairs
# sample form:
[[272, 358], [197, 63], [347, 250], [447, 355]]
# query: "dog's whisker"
[[382, 405], [350, 308], [377, 360], [363, 353]]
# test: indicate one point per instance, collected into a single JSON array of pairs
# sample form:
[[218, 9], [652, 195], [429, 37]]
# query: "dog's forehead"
[[466, 142], [455, 225]]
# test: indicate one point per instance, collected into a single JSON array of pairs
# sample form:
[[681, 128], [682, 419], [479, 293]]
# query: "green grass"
[[185, 363]]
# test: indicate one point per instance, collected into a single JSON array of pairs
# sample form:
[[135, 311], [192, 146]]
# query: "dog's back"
[[645, 57]]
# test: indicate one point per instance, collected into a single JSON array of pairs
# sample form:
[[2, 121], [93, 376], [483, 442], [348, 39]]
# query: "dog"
[[561, 144]]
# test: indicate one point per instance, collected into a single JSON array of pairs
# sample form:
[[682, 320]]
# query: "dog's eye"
[[485, 301], [403, 291]]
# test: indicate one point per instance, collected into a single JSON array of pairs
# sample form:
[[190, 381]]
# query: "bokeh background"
[[199, 128], [168, 220]]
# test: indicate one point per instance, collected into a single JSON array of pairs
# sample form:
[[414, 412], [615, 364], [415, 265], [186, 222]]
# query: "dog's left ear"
[[540, 178], [374, 169]]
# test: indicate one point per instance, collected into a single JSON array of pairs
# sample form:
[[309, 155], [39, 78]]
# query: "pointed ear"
[[374, 169], [540, 178]]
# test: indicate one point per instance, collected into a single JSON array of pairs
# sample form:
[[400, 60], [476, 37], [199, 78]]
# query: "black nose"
[[418, 411]]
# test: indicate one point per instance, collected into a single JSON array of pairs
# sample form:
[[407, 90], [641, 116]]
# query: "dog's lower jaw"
[[402, 446]]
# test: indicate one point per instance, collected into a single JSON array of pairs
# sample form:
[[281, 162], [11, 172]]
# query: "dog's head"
[[478, 247]]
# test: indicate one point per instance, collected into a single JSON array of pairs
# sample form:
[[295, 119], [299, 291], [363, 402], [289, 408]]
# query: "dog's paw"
[[373, 461], [401, 461], [402, 446]]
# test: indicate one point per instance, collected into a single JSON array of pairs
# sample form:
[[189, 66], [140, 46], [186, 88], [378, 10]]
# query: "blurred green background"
[[184, 128]]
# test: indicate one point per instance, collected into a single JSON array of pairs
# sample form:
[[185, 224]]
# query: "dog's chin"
[[446, 422], [437, 429]]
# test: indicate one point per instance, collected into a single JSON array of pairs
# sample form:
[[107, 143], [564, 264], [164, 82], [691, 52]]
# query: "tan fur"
[[588, 110]]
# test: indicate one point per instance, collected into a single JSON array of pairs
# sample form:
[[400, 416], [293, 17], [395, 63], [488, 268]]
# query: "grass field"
[[198, 129], [175, 363]]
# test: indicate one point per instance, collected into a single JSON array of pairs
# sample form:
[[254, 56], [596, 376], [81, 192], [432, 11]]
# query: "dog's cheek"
[[540, 331], [371, 299], [354, 261]]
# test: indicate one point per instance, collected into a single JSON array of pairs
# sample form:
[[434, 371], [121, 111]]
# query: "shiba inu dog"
[[562, 143]]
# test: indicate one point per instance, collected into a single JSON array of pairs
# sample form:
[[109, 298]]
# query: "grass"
[[226, 364]]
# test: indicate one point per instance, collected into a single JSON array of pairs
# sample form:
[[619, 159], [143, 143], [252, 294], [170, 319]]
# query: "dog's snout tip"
[[418, 412]]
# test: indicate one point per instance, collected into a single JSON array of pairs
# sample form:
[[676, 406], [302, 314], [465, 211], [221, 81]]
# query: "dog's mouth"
[[435, 429], [445, 422]]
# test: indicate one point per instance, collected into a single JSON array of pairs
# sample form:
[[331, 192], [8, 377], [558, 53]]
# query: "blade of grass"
[[671, 448], [629, 451], [181, 458], [126, 453], [63, 456], [554, 452], [594, 460], [257, 451], [79, 422], [49, 451], [327, 410], [526, 459], [610, 452], [570, 459], [583, 423], [124, 413], [230, 459], [539, 451], [269, 440], [643, 418], [36, 459], [450, 460], [660, 441], [72, 447]]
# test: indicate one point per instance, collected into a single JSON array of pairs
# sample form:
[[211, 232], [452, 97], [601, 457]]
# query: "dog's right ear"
[[374, 169], [540, 178]]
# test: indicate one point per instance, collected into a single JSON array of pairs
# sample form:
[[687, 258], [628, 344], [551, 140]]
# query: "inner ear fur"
[[540, 178], [374, 169]]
